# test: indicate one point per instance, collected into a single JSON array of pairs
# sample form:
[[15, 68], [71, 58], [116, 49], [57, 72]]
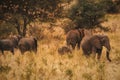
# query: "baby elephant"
[[63, 50], [95, 45]]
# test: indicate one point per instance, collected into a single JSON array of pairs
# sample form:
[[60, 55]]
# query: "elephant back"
[[72, 36], [6, 44], [15, 40], [28, 44], [81, 33]]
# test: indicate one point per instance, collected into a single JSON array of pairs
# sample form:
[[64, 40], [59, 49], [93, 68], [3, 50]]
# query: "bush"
[[6, 29], [68, 25], [87, 13], [36, 32]]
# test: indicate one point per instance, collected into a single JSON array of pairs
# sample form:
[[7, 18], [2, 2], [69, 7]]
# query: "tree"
[[21, 13], [88, 13], [110, 5]]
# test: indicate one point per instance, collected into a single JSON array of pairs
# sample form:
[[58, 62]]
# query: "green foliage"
[[32, 9], [68, 25], [6, 29], [29, 11], [88, 13], [110, 6], [36, 31]]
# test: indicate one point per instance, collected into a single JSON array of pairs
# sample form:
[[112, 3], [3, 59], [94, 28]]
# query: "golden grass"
[[47, 64]]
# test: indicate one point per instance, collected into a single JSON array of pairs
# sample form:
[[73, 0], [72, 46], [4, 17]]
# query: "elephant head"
[[106, 43], [94, 45], [103, 40]]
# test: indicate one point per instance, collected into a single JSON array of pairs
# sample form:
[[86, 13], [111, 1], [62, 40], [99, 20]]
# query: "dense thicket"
[[90, 13]]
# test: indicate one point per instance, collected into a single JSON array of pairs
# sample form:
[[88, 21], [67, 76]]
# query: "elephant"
[[9, 44], [16, 39], [95, 44], [64, 49], [74, 38], [28, 44]]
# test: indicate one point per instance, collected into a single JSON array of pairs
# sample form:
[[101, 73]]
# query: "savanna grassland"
[[47, 64]]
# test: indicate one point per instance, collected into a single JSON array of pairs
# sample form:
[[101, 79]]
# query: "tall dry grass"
[[47, 64]]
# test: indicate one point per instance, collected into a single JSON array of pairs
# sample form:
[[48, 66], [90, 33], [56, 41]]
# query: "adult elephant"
[[9, 44], [28, 44], [74, 37], [95, 44], [15, 40]]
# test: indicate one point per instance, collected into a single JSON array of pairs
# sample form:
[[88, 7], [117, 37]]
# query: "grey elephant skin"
[[74, 38], [16, 39], [9, 44], [95, 45], [28, 44]]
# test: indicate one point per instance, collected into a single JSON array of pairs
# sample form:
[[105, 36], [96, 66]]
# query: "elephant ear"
[[103, 40], [96, 43]]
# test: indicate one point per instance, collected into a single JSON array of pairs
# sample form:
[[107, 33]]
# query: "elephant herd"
[[92, 45], [24, 44]]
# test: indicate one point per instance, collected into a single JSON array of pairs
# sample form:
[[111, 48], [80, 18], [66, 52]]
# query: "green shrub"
[[6, 29]]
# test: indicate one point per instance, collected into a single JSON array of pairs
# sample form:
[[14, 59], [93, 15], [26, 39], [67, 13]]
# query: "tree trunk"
[[24, 26], [18, 27], [24, 29], [21, 31]]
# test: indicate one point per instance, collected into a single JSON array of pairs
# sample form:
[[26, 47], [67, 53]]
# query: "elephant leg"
[[93, 52], [2, 52], [35, 50], [12, 51], [85, 51], [107, 55], [78, 46], [22, 51], [73, 46], [99, 51]]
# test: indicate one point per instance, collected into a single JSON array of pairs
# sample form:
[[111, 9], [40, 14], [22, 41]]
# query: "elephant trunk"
[[108, 48], [108, 52], [107, 55]]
